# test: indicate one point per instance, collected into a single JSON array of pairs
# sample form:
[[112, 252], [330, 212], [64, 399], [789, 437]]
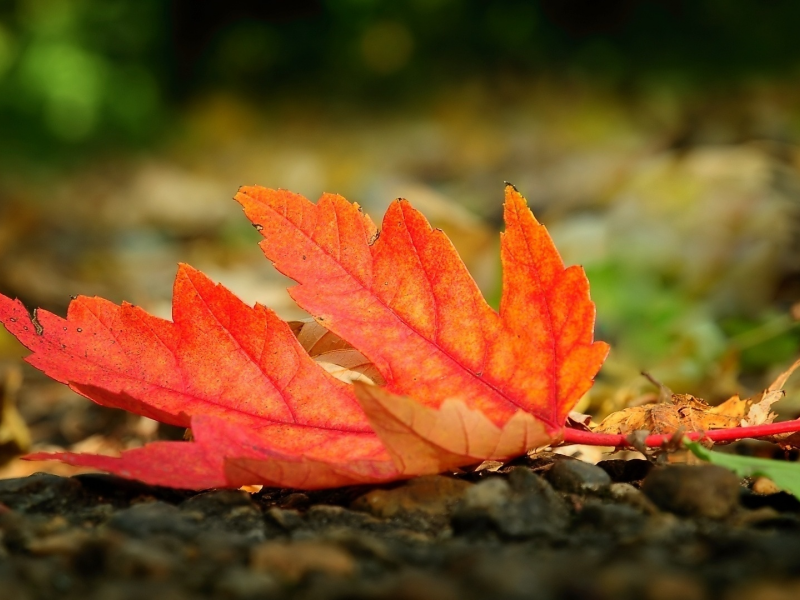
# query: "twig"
[[589, 438]]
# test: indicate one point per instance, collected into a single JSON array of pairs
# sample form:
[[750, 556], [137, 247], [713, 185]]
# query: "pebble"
[[764, 486], [575, 476], [241, 583], [693, 490], [323, 517], [621, 519], [434, 495], [230, 511], [292, 560], [627, 494], [40, 492], [149, 518], [525, 505], [285, 518]]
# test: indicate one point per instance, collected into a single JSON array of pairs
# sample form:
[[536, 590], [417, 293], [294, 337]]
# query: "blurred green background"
[[655, 139]]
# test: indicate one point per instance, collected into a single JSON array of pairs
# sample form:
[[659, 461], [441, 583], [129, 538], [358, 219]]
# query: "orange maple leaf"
[[462, 382]]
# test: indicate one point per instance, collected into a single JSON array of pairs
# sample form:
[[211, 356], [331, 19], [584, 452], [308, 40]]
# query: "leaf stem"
[[589, 438]]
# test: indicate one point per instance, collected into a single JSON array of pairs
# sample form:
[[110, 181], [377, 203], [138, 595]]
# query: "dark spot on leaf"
[[25, 328], [304, 256], [479, 373], [65, 328], [13, 319], [258, 226], [79, 330], [374, 238]]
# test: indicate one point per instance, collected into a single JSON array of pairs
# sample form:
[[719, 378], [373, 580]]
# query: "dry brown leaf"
[[684, 410], [334, 354], [349, 366], [316, 339], [695, 414]]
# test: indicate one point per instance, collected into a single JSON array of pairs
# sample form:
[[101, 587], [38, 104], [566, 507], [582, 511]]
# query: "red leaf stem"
[[589, 438]]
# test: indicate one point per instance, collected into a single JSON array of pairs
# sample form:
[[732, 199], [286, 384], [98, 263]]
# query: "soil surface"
[[545, 527]]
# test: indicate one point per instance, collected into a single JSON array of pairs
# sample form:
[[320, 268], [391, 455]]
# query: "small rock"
[[230, 511], [434, 495], [765, 486], [523, 506], [286, 519], [627, 494], [41, 492], [616, 519], [575, 476], [244, 584], [693, 490], [324, 516], [141, 520], [292, 560]]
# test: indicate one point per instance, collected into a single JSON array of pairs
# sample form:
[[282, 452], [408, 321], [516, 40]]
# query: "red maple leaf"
[[462, 382]]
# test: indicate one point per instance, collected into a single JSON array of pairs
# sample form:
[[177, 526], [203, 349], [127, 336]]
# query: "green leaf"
[[786, 475]]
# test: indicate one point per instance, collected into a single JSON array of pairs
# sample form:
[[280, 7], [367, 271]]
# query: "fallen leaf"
[[406, 301], [683, 411], [464, 384], [695, 414], [759, 409]]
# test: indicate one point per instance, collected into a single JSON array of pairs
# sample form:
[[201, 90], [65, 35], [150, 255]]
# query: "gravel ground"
[[547, 527]]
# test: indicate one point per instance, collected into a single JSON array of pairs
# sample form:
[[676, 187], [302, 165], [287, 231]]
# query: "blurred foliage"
[[78, 72], [83, 73]]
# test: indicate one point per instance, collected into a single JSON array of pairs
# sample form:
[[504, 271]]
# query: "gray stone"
[[575, 476], [693, 490], [150, 518], [243, 584], [525, 505], [41, 492], [627, 494]]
